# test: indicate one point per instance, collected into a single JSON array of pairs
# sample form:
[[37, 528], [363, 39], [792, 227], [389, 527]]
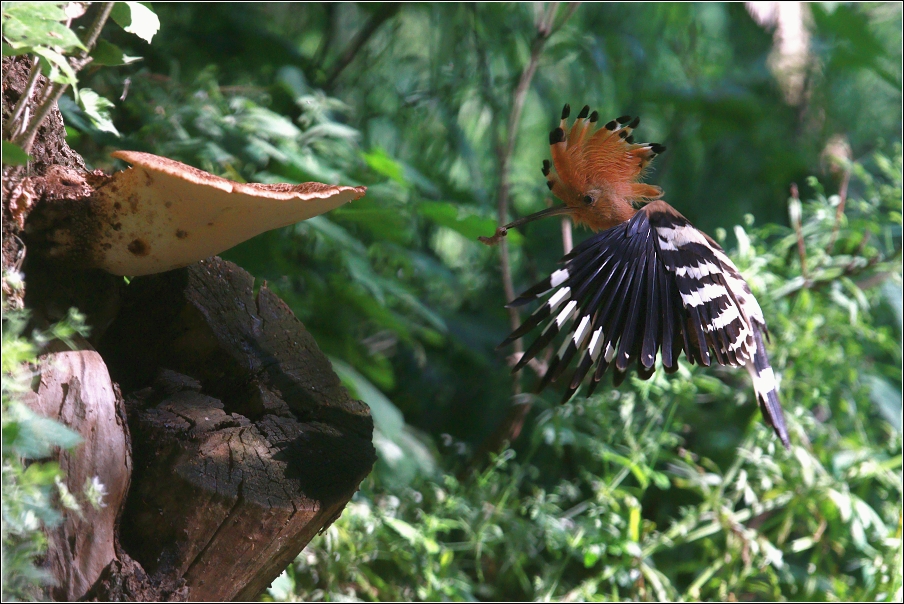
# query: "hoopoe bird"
[[647, 283]]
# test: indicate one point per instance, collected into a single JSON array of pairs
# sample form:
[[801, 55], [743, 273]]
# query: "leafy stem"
[[55, 90], [11, 124]]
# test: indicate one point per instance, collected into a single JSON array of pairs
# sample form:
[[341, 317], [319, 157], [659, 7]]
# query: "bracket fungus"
[[161, 214]]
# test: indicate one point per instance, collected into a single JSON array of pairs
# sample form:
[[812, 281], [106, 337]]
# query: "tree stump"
[[243, 441]]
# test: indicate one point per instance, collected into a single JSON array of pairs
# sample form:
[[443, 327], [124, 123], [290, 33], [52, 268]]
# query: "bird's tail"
[[766, 388]]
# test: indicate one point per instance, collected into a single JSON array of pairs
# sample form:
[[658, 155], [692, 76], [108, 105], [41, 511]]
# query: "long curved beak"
[[501, 231]]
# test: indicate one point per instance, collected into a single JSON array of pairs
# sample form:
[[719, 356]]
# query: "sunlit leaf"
[[30, 25], [137, 19], [382, 164], [97, 108], [56, 66]]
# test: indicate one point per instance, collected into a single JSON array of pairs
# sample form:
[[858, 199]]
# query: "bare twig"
[[327, 40], [874, 280], [12, 125], [538, 366], [383, 13], [55, 90], [504, 154], [567, 239], [839, 212], [794, 211], [27, 138], [511, 425]]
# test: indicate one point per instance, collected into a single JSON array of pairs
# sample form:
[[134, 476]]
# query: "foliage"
[[670, 488], [40, 30], [33, 490], [46, 31], [613, 498]]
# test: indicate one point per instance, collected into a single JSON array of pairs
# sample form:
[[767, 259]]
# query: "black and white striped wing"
[[651, 285]]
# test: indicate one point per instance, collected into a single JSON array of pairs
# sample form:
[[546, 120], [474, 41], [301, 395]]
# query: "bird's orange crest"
[[597, 173], [649, 283]]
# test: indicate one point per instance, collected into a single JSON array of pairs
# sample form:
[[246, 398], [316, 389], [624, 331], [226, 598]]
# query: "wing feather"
[[648, 285]]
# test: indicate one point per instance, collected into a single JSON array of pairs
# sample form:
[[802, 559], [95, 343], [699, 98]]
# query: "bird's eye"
[[588, 199]]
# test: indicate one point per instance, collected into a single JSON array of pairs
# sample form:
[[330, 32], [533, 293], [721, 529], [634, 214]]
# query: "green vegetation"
[[33, 491], [666, 489], [638, 494]]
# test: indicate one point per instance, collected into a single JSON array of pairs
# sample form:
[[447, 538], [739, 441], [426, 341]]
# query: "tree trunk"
[[243, 441]]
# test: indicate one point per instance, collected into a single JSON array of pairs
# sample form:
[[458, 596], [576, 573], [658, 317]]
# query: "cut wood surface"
[[246, 444]]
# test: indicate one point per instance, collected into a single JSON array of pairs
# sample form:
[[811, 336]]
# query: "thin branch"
[[11, 127], [383, 13], [842, 195], [327, 40], [55, 91], [544, 30], [511, 425], [537, 365], [94, 32], [874, 280], [794, 211], [27, 138]]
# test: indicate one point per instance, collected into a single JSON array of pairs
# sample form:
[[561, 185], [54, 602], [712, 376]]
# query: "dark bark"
[[18, 187], [262, 445]]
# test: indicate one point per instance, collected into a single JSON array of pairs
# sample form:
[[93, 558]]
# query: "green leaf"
[[48, 11], [137, 19], [37, 435], [386, 223], [9, 51], [14, 155], [405, 530], [56, 66], [397, 444], [387, 417], [110, 55], [464, 220], [660, 480], [29, 25], [381, 163], [886, 398], [97, 108], [282, 587], [42, 474]]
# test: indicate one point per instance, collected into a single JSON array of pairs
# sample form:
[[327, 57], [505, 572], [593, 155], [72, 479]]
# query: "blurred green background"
[[664, 489]]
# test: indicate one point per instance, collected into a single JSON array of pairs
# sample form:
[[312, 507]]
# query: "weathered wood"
[[75, 389], [246, 445]]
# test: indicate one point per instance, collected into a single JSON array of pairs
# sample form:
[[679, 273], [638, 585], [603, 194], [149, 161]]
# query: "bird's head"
[[596, 172]]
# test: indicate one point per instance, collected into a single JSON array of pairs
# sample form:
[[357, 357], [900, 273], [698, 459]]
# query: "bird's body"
[[649, 282]]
